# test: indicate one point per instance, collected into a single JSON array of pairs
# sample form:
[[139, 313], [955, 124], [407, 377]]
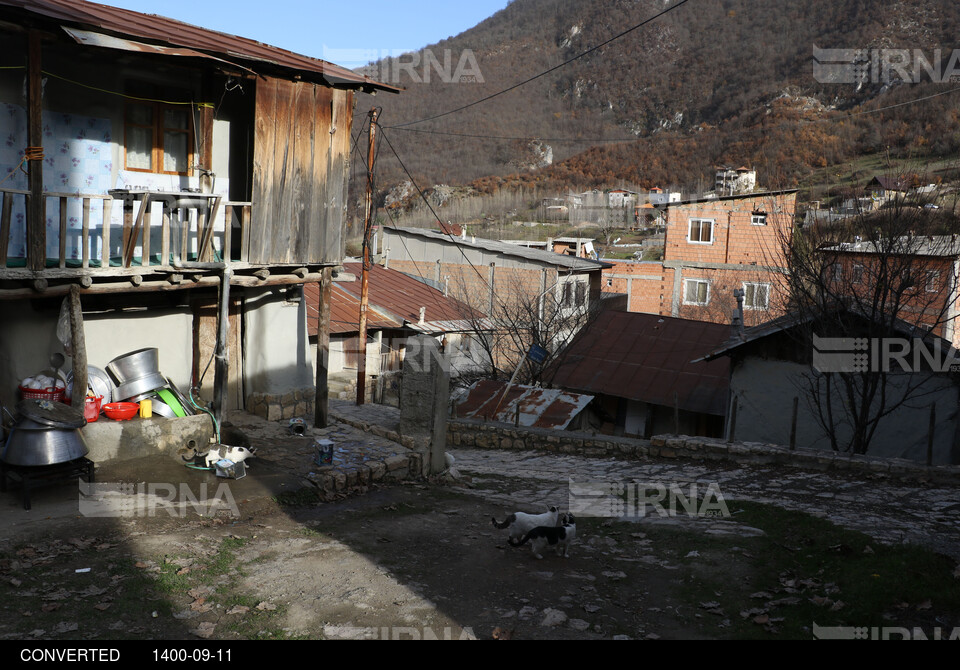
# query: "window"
[[574, 294], [581, 293], [933, 281], [756, 296], [696, 292], [158, 138], [758, 218], [836, 272], [857, 275], [701, 231]]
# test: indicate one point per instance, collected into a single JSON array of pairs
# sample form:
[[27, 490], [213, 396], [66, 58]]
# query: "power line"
[[546, 72]]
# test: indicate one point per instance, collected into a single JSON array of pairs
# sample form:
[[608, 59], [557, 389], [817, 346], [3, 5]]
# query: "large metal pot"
[[134, 366], [46, 433]]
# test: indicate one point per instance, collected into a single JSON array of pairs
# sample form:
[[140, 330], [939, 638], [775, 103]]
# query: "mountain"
[[710, 82]]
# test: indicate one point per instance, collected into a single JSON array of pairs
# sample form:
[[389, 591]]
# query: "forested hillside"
[[711, 82]]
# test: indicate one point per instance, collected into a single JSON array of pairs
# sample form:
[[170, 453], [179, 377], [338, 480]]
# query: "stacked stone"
[[277, 406]]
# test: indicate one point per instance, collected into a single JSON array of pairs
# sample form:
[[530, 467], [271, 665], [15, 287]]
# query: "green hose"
[[216, 426]]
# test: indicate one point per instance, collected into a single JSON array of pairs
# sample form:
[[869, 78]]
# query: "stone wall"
[[279, 406], [477, 434]]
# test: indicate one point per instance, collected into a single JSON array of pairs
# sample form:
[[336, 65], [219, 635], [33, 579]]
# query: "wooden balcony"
[[160, 232]]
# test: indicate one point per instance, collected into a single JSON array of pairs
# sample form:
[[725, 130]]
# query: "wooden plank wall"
[[301, 154]]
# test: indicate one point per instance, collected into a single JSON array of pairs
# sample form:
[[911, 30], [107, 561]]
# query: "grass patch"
[[299, 498], [807, 570]]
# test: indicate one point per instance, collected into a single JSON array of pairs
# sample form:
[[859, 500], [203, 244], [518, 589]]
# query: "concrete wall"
[[765, 390], [276, 348], [28, 336]]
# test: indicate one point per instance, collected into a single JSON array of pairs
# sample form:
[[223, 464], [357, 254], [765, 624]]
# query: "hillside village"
[[205, 238]]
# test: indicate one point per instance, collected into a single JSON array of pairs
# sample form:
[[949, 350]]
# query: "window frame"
[[706, 301], [158, 131], [700, 221], [755, 285], [758, 219]]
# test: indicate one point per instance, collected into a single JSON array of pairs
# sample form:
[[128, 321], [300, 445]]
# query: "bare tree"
[[885, 272], [519, 318]]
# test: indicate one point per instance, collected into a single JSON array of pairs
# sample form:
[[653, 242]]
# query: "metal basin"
[[138, 387], [134, 366], [34, 444]]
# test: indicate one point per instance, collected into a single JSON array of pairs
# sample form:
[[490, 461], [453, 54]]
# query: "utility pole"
[[364, 274]]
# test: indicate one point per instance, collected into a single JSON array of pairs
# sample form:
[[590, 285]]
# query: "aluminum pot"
[[135, 365], [31, 443]]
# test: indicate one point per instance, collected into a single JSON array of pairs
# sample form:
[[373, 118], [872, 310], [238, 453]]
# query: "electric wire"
[[548, 71]]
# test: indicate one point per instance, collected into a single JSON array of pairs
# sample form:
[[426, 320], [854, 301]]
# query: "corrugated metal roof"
[[393, 301], [496, 246], [539, 408], [402, 296], [649, 358], [177, 33], [344, 312]]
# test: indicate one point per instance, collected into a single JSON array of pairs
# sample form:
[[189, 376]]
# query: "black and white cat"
[[559, 537], [521, 523]]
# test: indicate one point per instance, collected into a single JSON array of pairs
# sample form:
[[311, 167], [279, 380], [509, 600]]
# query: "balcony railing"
[[86, 235]]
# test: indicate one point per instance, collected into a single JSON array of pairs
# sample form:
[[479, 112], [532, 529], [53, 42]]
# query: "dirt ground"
[[405, 561], [422, 560]]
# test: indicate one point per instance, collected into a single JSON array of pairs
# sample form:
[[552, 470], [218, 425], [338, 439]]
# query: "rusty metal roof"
[[170, 32], [539, 408], [402, 297], [344, 312], [394, 301], [649, 358]]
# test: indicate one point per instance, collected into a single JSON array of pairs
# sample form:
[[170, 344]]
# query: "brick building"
[[711, 248], [533, 296]]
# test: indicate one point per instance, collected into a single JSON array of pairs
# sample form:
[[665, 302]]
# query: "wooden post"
[[364, 274], [222, 367], [676, 414], [731, 436], [79, 346], [930, 432], [36, 214], [793, 424], [321, 409]]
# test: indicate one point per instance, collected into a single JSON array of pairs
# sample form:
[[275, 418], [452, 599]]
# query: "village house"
[[399, 307], [711, 248], [532, 295], [780, 393], [921, 273], [640, 368], [179, 186]]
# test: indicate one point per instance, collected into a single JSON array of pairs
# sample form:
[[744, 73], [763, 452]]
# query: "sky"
[[346, 33]]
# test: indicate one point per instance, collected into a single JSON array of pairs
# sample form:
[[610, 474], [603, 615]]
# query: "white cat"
[[209, 459], [559, 537], [521, 523]]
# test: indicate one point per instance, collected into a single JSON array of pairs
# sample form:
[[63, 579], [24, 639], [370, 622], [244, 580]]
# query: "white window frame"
[[756, 285], [690, 239], [836, 272], [857, 274], [698, 281], [758, 219], [933, 281]]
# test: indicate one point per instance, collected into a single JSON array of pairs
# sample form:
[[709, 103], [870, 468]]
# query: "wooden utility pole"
[[321, 413], [36, 218], [364, 274]]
